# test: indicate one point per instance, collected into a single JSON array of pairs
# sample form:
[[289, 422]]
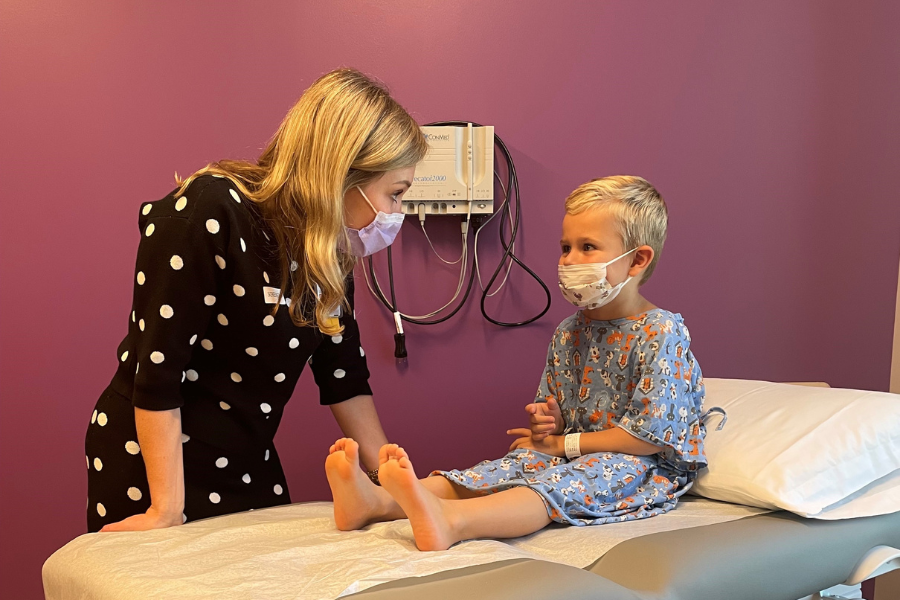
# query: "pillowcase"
[[813, 451]]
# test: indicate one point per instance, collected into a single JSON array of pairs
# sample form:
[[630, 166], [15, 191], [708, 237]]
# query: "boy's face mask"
[[377, 235], [586, 285]]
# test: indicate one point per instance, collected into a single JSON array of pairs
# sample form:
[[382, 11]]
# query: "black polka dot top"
[[201, 335]]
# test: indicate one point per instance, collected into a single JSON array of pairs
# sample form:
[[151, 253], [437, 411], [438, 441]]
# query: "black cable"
[[511, 188], [391, 277], [393, 307]]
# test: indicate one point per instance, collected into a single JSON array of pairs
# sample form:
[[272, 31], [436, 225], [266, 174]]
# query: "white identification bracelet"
[[573, 446]]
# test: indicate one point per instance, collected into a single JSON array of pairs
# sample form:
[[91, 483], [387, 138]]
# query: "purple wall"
[[771, 128]]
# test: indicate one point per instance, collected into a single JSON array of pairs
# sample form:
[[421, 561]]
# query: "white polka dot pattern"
[[175, 270]]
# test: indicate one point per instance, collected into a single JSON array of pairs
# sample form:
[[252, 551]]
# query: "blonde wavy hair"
[[344, 131], [639, 210]]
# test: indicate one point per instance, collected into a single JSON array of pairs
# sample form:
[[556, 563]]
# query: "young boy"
[[616, 430]]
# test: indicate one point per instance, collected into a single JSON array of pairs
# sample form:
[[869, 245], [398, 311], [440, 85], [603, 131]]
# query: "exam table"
[[776, 556], [273, 553]]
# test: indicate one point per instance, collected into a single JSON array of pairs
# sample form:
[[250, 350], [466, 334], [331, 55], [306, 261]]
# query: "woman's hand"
[[152, 519], [546, 419], [554, 445]]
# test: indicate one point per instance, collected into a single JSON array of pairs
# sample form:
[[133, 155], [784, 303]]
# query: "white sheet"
[[294, 552]]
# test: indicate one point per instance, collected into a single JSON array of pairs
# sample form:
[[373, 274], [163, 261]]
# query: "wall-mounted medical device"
[[457, 178], [457, 175]]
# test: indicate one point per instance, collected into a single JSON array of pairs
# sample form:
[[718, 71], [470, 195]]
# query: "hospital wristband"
[[573, 446]]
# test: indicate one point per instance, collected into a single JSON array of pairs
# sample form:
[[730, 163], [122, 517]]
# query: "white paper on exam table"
[[295, 552]]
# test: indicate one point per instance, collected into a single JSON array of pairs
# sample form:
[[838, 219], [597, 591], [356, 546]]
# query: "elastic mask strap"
[[366, 198], [620, 256]]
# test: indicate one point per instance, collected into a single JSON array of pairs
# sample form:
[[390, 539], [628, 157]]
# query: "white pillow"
[[802, 449]]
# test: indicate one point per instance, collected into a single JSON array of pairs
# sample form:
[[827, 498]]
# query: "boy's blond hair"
[[639, 210]]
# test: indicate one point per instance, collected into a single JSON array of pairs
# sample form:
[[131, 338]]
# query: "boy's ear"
[[643, 256]]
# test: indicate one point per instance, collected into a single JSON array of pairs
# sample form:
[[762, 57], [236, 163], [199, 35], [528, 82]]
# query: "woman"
[[243, 276]]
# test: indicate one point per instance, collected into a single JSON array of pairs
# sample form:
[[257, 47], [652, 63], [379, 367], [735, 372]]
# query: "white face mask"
[[586, 285], [377, 235]]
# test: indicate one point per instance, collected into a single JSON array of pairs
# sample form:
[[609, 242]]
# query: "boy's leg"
[[438, 523], [357, 501]]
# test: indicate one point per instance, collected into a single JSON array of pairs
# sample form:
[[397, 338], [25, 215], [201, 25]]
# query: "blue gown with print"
[[636, 373]]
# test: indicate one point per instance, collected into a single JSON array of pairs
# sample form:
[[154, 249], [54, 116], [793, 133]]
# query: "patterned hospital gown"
[[637, 373]]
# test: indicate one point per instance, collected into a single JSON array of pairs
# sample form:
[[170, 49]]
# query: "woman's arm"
[[358, 419], [159, 435]]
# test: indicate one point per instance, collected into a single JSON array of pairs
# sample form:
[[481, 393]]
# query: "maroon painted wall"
[[771, 128]]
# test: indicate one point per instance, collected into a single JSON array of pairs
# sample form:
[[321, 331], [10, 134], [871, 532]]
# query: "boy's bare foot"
[[356, 498], [430, 523]]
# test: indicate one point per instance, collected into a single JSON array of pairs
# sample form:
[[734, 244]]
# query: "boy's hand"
[[546, 419], [554, 445]]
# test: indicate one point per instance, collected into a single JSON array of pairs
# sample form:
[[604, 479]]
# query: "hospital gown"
[[637, 373]]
